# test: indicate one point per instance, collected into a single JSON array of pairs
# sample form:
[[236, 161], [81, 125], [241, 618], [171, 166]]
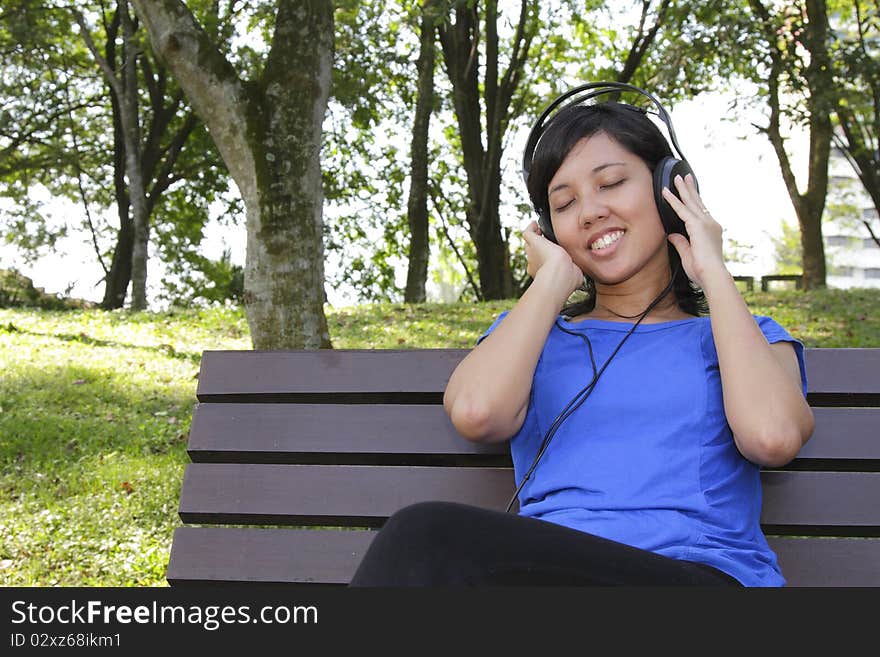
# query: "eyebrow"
[[595, 170]]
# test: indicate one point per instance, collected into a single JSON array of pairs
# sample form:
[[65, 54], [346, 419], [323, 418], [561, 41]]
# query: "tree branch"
[[79, 179], [208, 79], [109, 73], [467, 271], [163, 180]]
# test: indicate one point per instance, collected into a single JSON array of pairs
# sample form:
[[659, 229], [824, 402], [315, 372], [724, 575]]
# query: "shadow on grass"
[[164, 349], [91, 469], [67, 416]]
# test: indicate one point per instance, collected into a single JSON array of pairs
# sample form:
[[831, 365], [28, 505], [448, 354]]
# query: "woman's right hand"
[[541, 253]]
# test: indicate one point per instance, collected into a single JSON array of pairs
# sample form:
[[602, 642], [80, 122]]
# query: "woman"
[[646, 472]]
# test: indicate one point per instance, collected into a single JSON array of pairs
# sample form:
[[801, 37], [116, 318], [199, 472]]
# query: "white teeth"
[[610, 238]]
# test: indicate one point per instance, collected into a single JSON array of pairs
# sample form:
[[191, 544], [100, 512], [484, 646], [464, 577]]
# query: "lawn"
[[95, 408]]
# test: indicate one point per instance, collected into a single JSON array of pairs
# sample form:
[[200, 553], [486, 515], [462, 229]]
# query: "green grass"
[[95, 410]]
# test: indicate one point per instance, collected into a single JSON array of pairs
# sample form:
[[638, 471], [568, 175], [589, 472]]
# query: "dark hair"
[[630, 128]]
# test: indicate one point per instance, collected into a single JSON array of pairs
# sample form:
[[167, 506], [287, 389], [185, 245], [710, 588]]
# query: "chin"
[[611, 277]]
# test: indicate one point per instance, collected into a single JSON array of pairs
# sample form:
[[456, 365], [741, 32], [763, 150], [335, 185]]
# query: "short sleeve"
[[774, 332], [493, 326]]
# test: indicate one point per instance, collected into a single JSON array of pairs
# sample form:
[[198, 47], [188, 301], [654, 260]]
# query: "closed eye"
[[562, 207], [614, 184]]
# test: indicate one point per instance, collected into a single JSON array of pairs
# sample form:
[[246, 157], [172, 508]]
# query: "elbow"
[[477, 420], [470, 418], [775, 454], [777, 447]]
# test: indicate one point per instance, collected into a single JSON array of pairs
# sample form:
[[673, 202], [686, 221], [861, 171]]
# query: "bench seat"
[[298, 457]]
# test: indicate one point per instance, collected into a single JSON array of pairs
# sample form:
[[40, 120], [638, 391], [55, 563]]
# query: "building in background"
[[852, 256]]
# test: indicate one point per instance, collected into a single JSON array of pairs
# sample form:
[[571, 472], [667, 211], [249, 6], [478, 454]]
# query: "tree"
[[417, 205], [365, 158], [268, 131], [67, 135], [476, 23], [125, 91], [36, 106], [794, 58]]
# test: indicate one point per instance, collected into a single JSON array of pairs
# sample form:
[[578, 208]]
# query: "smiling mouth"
[[606, 241]]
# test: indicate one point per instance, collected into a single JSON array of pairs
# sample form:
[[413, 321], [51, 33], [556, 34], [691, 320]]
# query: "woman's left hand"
[[703, 252]]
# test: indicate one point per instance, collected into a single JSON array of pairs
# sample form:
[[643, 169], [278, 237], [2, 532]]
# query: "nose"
[[592, 210]]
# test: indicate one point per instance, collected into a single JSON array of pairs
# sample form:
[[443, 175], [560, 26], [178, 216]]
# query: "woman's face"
[[603, 211]]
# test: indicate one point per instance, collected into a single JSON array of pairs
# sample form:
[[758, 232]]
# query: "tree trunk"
[[126, 91], [132, 139], [810, 205], [119, 276], [460, 43], [417, 206], [268, 132]]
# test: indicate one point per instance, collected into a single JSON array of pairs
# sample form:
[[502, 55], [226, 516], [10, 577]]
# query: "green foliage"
[[788, 251], [365, 159], [58, 136], [856, 48], [205, 282], [42, 111]]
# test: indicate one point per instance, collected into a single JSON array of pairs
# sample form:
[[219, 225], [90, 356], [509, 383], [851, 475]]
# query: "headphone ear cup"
[[664, 173], [546, 227]]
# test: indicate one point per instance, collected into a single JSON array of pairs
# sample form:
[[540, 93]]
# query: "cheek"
[[568, 236], [563, 227]]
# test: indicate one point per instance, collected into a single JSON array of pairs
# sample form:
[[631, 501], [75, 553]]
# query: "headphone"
[[664, 172]]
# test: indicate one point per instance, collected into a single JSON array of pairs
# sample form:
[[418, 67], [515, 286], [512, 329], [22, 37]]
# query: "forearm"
[[765, 407], [488, 393]]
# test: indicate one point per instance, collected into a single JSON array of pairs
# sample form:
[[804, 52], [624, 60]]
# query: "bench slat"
[[366, 495], [844, 433], [426, 371], [260, 556], [828, 561], [301, 433], [329, 495], [330, 429], [325, 371], [846, 499]]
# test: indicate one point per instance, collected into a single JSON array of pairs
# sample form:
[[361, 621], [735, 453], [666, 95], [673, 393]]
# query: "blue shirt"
[[648, 459]]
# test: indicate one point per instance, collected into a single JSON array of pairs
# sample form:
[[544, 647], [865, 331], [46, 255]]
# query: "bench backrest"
[[291, 451]]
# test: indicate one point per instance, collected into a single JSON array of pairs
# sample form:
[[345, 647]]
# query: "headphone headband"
[[581, 94]]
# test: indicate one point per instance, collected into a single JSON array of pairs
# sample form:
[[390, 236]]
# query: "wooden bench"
[[312, 451], [766, 280], [748, 280]]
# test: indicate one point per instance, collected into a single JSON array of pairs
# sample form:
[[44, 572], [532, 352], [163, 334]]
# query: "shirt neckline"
[[625, 326]]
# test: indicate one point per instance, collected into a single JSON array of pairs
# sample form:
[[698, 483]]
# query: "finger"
[[532, 229], [687, 188], [679, 242], [688, 193], [534, 235], [680, 208]]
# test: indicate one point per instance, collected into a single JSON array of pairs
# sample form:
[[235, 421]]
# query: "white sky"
[[736, 168]]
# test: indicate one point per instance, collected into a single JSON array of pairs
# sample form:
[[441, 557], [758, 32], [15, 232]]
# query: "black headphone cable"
[[576, 402]]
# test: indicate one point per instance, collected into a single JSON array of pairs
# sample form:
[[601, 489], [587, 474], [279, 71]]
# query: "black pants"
[[446, 544]]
